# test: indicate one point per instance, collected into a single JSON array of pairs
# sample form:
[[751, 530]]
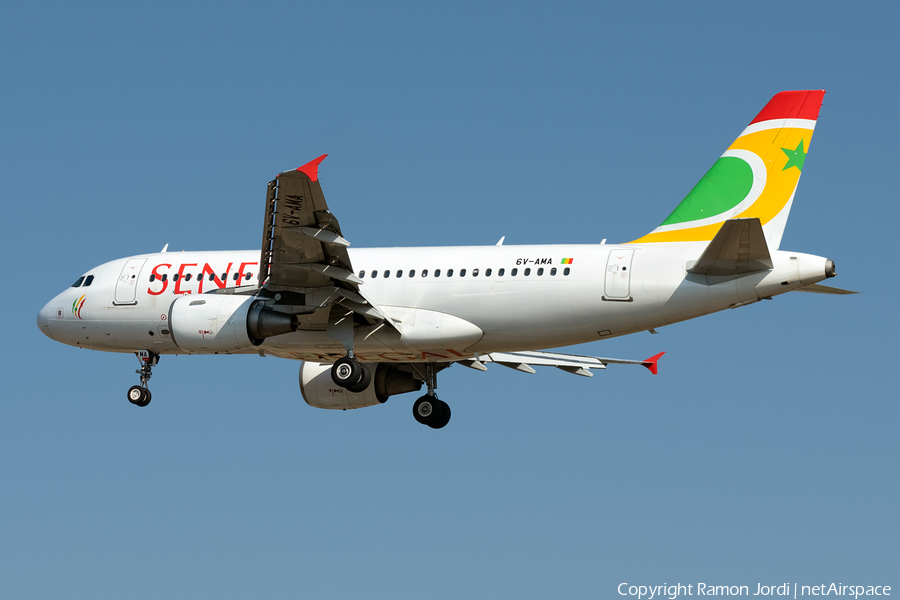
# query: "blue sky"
[[765, 451]]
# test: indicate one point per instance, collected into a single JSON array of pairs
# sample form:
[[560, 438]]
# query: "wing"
[[304, 254], [577, 365], [302, 243]]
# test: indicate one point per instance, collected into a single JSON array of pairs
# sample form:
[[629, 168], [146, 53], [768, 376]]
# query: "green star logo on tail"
[[795, 157]]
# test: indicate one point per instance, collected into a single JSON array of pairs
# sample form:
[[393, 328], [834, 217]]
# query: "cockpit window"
[[88, 280], [79, 282]]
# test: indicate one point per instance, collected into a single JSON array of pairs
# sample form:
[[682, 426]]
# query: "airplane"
[[372, 323]]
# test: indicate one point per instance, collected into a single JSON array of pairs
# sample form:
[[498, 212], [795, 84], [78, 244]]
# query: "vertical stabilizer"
[[755, 178]]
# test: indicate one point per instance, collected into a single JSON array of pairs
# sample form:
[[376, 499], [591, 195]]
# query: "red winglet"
[[311, 169], [650, 363], [801, 104]]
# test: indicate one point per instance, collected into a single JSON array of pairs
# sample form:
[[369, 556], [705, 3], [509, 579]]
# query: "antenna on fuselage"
[[500, 243], [166, 247]]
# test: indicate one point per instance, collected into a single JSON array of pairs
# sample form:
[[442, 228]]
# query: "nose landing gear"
[[139, 395]]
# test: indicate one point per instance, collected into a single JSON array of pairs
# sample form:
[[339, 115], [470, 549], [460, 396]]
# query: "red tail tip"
[[311, 169], [650, 363], [797, 104]]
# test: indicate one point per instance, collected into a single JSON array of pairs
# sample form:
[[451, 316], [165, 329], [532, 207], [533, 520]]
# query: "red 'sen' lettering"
[[178, 289], [207, 270], [159, 278], [241, 270]]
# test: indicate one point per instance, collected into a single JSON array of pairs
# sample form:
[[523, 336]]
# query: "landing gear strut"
[[428, 410], [139, 395], [351, 374]]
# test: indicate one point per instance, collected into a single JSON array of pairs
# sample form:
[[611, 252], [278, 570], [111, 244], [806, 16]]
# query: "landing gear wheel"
[[346, 372], [135, 394], [444, 417], [365, 378], [428, 410], [139, 396], [146, 399], [424, 408]]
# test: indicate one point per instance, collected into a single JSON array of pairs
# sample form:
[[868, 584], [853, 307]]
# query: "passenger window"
[[386, 274], [175, 277], [437, 272], [374, 274], [79, 282], [424, 272], [514, 272], [553, 271], [89, 280], [399, 273], [449, 272], [540, 271], [412, 272], [187, 277], [462, 272], [566, 271], [362, 274], [528, 271], [474, 272], [501, 272], [165, 276], [152, 278], [236, 275], [224, 277], [247, 276]]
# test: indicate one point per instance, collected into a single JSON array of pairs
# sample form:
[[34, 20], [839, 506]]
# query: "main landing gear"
[[139, 395], [355, 376], [351, 374], [428, 410]]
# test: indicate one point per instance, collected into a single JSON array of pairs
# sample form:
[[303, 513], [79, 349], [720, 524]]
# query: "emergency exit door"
[[126, 287], [618, 275]]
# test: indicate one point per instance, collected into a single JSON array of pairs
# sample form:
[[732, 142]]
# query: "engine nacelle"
[[319, 389], [225, 323]]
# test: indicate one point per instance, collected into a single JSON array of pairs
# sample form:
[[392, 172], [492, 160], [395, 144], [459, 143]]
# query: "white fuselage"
[[509, 298]]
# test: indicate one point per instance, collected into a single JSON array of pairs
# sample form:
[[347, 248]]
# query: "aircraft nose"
[[44, 317]]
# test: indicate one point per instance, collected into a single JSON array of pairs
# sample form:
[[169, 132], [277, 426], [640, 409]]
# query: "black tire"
[[146, 399], [346, 372], [426, 409], [135, 394], [365, 378], [442, 417]]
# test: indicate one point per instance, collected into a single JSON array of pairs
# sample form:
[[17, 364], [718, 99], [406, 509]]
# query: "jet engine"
[[225, 323], [319, 389]]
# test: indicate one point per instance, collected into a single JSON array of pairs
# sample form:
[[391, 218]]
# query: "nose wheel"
[[139, 395]]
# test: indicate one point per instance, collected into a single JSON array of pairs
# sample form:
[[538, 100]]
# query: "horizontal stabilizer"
[[815, 288], [739, 247]]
